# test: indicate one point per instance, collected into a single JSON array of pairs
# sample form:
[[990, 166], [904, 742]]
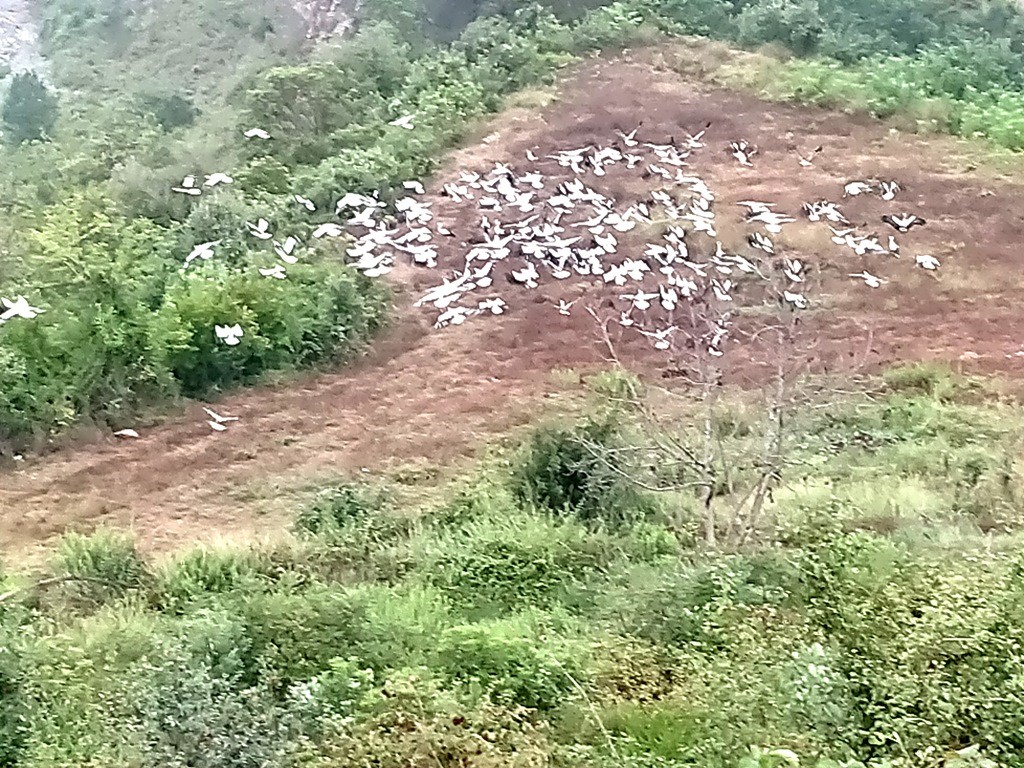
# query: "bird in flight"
[[256, 133], [904, 222], [230, 334], [404, 122], [19, 307]]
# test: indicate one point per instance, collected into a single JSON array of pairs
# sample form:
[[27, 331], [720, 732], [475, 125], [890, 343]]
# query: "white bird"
[[284, 250], [126, 433], [218, 418], [894, 247], [230, 334], [927, 262], [256, 133], [202, 251], [793, 270], [871, 281], [527, 276], [277, 272], [564, 306], [329, 229], [217, 427], [889, 190], [743, 151], [213, 179], [414, 186], [904, 222], [855, 188], [188, 187], [305, 202], [662, 339], [640, 299], [495, 306], [261, 229], [403, 122], [19, 307], [796, 299], [808, 161], [762, 243]]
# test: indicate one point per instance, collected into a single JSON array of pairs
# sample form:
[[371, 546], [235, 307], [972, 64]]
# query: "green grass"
[[872, 603]]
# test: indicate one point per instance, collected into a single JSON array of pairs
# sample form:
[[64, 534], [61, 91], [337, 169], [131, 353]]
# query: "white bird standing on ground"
[[126, 433], [928, 262], [230, 334]]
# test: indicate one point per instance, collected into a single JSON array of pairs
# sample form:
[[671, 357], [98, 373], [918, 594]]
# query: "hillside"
[[584, 384]]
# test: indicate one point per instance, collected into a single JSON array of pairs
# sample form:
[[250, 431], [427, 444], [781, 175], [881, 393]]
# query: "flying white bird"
[[808, 161], [277, 272], [414, 186], [796, 299], [261, 229], [904, 222], [256, 133], [495, 306], [218, 418], [305, 202], [19, 307], [927, 262], [742, 151], [230, 334], [329, 229], [855, 188], [564, 306], [188, 187], [126, 433], [217, 426], [869, 280], [404, 122], [202, 251], [213, 179], [284, 250], [889, 190]]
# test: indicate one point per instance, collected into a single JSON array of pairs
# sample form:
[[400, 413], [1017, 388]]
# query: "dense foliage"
[[491, 630]]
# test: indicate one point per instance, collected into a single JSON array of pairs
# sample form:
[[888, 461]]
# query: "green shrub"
[[294, 635], [513, 668], [97, 569], [30, 109], [335, 508], [571, 470], [190, 717], [496, 565]]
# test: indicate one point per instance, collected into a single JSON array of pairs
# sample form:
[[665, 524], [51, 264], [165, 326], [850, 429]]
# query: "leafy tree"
[[30, 110]]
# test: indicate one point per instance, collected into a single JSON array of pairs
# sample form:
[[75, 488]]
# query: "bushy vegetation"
[[849, 633]]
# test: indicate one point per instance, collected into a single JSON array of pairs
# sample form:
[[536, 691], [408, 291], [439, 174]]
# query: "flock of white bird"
[[545, 226], [547, 219]]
